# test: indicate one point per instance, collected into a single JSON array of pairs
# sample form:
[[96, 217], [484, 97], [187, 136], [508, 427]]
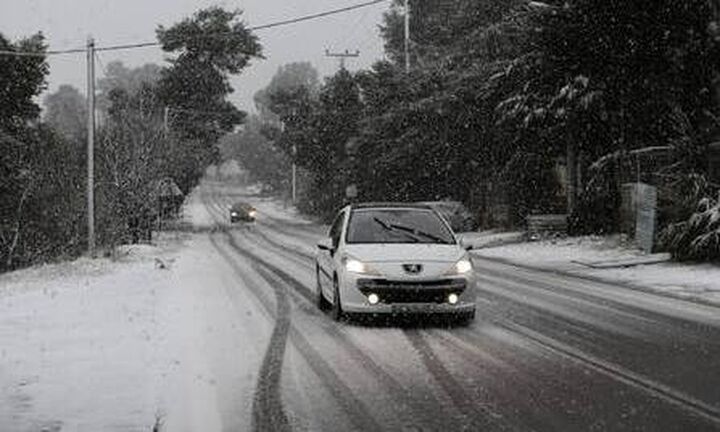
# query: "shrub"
[[698, 238]]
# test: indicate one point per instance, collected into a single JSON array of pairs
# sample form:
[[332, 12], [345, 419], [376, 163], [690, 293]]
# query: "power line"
[[127, 46], [42, 54], [155, 43], [318, 15]]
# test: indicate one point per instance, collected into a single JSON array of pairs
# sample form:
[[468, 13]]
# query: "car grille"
[[411, 291]]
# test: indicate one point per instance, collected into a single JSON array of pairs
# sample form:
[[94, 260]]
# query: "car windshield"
[[244, 207], [402, 225]]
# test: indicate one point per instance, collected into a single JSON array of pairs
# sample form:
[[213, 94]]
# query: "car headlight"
[[356, 266], [233, 214], [463, 266], [252, 214]]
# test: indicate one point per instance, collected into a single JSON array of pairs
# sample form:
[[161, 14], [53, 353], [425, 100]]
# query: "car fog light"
[[373, 299], [452, 298]]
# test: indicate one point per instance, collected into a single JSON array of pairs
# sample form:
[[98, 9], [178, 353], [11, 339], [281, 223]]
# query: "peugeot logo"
[[412, 268]]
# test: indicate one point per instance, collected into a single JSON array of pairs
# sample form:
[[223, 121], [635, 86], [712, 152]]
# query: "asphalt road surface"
[[546, 352]]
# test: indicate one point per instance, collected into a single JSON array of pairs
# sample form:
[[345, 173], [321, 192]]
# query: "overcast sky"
[[67, 23]]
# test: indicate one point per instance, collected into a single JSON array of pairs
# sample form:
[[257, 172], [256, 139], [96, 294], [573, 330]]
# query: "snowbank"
[[696, 282], [105, 345], [490, 238], [77, 341], [195, 212]]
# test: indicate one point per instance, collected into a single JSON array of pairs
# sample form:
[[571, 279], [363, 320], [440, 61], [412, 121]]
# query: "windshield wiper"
[[391, 227], [413, 231], [432, 237]]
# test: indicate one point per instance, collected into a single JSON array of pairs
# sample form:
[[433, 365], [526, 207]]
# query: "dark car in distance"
[[242, 212]]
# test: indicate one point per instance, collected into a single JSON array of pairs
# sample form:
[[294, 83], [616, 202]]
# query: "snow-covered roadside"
[[691, 281], [490, 238], [195, 212], [102, 345]]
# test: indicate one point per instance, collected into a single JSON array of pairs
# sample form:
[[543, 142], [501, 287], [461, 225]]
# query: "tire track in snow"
[[289, 228], [477, 418], [358, 413], [305, 260], [294, 250], [268, 401], [268, 413]]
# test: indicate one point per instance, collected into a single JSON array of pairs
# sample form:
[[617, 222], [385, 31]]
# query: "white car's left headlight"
[[463, 266]]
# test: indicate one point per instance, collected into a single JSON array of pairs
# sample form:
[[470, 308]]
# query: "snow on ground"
[[111, 345], [558, 251], [692, 281], [490, 238], [195, 212], [280, 211]]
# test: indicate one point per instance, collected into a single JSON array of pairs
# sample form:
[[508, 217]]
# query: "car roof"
[[384, 205]]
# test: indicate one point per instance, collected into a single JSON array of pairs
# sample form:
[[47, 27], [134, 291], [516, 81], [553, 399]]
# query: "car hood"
[[385, 252]]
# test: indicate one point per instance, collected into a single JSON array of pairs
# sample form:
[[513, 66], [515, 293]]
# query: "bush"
[[698, 238]]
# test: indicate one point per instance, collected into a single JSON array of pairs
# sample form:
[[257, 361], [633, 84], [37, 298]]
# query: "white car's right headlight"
[[356, 266]]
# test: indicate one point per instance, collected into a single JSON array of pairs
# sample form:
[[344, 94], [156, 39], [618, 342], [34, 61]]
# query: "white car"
[[394, 259]]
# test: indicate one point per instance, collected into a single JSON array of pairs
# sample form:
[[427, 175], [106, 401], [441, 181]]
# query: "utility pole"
[[294, 175], [407, 36], [342, 56], [91, 145], [293, 179]]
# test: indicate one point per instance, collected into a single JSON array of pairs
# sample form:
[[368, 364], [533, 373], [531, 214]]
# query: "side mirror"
[[467, 246], [325, 245]]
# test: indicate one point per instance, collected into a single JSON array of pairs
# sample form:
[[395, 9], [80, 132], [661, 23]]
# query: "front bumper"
[[408, 297], [234, 219], [412, 309]]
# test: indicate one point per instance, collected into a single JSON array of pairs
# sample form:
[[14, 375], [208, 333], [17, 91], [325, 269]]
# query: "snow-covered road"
[[229, 339]]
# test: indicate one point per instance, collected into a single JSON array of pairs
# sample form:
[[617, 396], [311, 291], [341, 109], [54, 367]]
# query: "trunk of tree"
[[572, 176], [16, 234]]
